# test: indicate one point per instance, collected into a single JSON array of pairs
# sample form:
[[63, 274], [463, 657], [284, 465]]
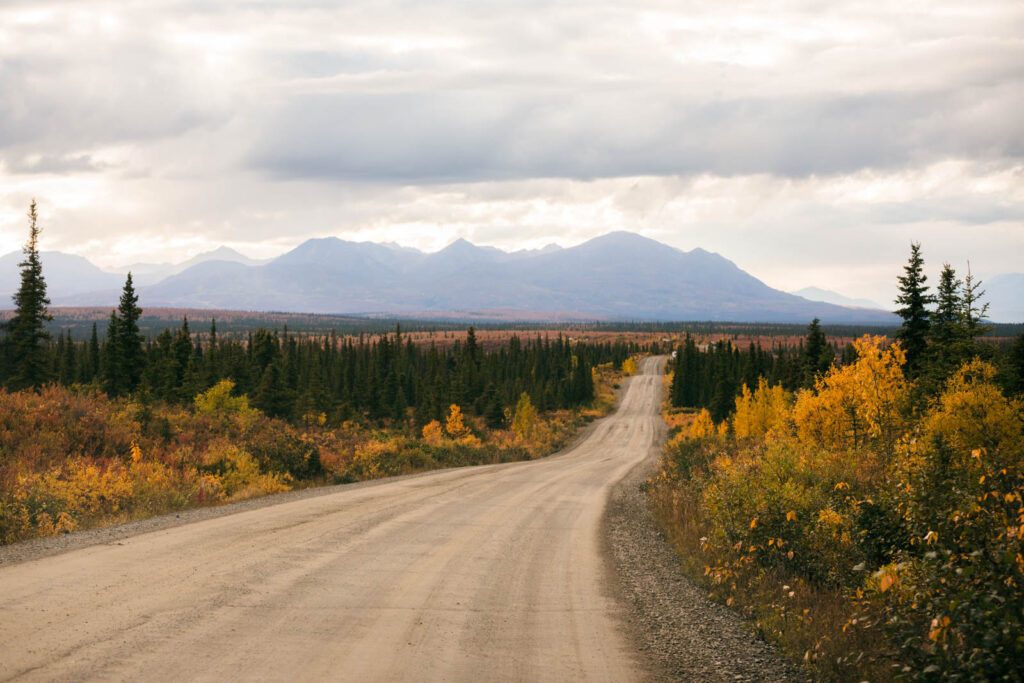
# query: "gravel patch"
[[685, 635]]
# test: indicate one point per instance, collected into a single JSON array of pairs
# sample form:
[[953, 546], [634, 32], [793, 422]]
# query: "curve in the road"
[[488, 573]]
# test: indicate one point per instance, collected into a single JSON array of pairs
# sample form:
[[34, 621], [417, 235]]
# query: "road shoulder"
[[681, 633]]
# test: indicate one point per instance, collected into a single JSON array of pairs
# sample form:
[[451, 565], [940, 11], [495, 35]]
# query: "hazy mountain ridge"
[[832, 297], [65, 273], [616, 276], [151, 273]]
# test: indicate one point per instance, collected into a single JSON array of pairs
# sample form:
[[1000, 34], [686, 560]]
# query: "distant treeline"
[[288, 376], [711, 376], [237, 324], [940, 332]]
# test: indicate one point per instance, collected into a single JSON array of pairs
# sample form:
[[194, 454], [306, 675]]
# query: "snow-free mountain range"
[[618, 276]]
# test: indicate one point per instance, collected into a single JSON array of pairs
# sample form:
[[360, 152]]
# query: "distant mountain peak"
[[464, 250], [461, 244], [622, 237], [224, 250]]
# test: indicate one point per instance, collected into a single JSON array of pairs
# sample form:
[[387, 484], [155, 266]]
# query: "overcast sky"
[[809, 142]]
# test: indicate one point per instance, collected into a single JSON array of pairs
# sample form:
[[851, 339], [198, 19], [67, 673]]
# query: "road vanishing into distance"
[[483, 573]]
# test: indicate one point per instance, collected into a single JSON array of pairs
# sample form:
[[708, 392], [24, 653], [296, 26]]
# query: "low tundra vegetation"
[[74, 457], [870, 534]]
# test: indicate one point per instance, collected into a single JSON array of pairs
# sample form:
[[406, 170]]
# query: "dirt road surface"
[[486, 573]]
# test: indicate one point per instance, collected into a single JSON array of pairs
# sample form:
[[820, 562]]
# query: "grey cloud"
[[483, 134], [527, 89], [61, 108], [66, 163]]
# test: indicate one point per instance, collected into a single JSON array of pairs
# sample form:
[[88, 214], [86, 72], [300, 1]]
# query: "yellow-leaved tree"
[[524, 422], [972, 413], [703, 426], [858, 403], [457, 429], [629, 367], [761, 412], [432, 433], [217, 401], [454, 424]]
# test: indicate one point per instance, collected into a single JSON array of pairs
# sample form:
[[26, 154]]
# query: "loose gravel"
[[685, 635]]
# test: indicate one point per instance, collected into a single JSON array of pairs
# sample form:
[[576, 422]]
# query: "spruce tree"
[[114, 380], [947, 335], [946, 320], [973, 311], [92, 365], [818, 356], [723, 398], [686, 381], [272, 394], [212, 357], [676, 390], [913, 301], [27, 335], [130, 339]]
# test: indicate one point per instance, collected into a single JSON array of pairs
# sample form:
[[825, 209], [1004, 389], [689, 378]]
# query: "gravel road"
[[521, 571], [484, 573]]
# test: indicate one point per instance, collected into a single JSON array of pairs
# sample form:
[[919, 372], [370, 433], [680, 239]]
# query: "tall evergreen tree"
[[27, 335], [818, 356], [93, 364], [687, 380], [946, 320], [114, 378], [947, 334], [973, 309], [913, 301], [130, 339], [67, 362], [272, 394]]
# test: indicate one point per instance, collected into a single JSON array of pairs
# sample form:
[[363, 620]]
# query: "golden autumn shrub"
[[765, 410], [218, 401], [524, 421], [960, 484], [777, 505], [75, 458], [856, 404], [83, 492], [44, 428], [702, 426], [432, 434], [867, 539]]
